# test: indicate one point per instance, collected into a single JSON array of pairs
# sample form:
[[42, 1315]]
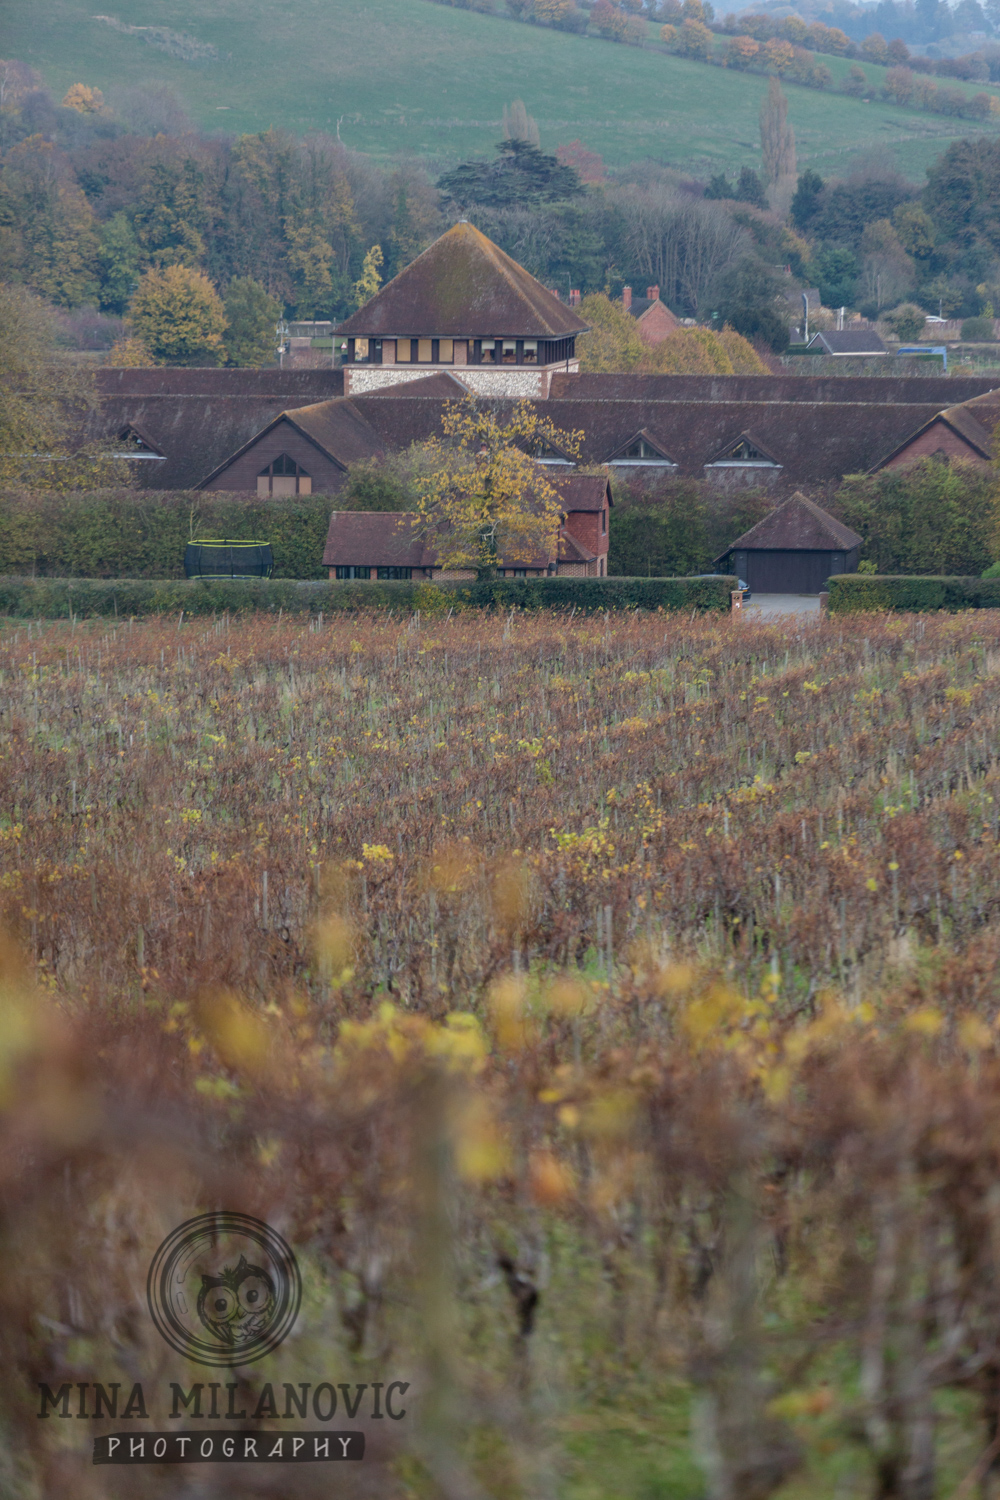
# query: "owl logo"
[[237, 1305], [224, 1289]]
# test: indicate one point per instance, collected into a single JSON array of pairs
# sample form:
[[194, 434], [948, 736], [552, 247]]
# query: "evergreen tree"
[[251, 319], [171, 218], [520, 174], [119, 259]]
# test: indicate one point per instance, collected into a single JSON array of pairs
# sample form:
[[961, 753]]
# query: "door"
[[788, 572]]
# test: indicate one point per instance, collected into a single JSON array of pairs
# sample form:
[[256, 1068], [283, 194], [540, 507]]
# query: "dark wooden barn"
[[794, 550]]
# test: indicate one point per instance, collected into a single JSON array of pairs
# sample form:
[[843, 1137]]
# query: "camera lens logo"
[[224, 1289]]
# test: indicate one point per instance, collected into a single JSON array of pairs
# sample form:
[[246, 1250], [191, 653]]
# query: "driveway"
[[763, 606]]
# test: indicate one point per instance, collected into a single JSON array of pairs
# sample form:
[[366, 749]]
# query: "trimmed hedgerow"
[[142, 534], [852, 592], [54, 598]]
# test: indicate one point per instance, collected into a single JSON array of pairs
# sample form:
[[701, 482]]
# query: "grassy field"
[[606, 1009], [429, 80]]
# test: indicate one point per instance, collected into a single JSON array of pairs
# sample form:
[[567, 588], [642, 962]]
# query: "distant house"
[[655, 320], [854, 342], [391, 544], [794, 550], [963, 432], [464, 306]]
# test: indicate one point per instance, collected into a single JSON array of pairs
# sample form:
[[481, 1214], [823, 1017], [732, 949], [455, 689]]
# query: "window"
[[353, 572], [641, 450], [510, 352], [284, 477], [446, 351], [744, 452], [424, 351], [403, 351], [531, 352], [488, 347], [604, 522], [393, 572], [360, 350], [519, 572]]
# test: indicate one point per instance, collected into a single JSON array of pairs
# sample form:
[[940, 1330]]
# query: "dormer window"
[[743, 454], [546, 453], [133, 445], [642, 450], [284, 477]]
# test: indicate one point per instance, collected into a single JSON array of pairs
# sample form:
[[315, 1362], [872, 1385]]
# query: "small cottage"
[[393, 545], [794, 550], [654, 320]]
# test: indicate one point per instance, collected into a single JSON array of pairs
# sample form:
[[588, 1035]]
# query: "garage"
[[793, 550]]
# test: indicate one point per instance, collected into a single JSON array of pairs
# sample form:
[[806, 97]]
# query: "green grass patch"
[[408, 76]]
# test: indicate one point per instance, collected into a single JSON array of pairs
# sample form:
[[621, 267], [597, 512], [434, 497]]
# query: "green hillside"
[[408, 76]]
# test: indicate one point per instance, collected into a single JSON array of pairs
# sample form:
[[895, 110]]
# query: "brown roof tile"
[[463, 286], [378, 538], [797, 525]]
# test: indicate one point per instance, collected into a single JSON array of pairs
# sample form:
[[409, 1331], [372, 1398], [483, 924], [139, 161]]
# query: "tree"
[[906, 321], [44, 401], [855, 83], [118, 259], [777, 139], [370, 280], [749, 188], [171, 218], [886, 269], [86, 101], [520, 174], [836, 271], [749, 298], [778, 55], [129, 353], [741, 52], [942, 295], [550, 13], [588, 166], [251, 323], [695, 40], [179, 316], [517, 123], [609, 20], [915, 228], [613, 343], [51, 244], [875, 49], [486, 500], [803, 205]]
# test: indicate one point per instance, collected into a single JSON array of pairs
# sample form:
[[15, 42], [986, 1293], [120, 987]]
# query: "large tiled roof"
[[463, 286], [797, 525], [199, 418], [878, 390], [581, 492]]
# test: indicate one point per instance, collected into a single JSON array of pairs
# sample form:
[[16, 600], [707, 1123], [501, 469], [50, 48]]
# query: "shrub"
[[851, 592], [59, 598], [927, 518], [906, 321], [978, 330]]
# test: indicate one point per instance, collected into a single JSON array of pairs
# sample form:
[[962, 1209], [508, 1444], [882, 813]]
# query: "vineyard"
[[605, 1008]]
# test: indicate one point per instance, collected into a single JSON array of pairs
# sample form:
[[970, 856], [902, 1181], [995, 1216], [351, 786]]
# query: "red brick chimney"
[[555, 292], [653, 293], [627, 298], [574, 298]]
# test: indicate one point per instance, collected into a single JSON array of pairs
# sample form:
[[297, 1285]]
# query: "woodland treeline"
[[92, 198]]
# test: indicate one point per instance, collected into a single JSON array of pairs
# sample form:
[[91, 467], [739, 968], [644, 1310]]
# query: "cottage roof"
[[463, 286], [376, 538], [582, 492], [797, 525], [848, 341], [974, 421]]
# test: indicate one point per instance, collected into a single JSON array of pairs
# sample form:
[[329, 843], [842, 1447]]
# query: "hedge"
[[850, 592], [55, 598], [143, 533]]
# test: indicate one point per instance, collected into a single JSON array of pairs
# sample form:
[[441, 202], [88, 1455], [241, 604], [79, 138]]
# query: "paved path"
[[767, 605]]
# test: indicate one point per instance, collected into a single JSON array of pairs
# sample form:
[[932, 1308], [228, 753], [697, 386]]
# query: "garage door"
[[789, 572]]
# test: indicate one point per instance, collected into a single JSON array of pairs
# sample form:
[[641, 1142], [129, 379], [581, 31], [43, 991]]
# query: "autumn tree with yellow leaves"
[[486, 499], [178, 315]]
